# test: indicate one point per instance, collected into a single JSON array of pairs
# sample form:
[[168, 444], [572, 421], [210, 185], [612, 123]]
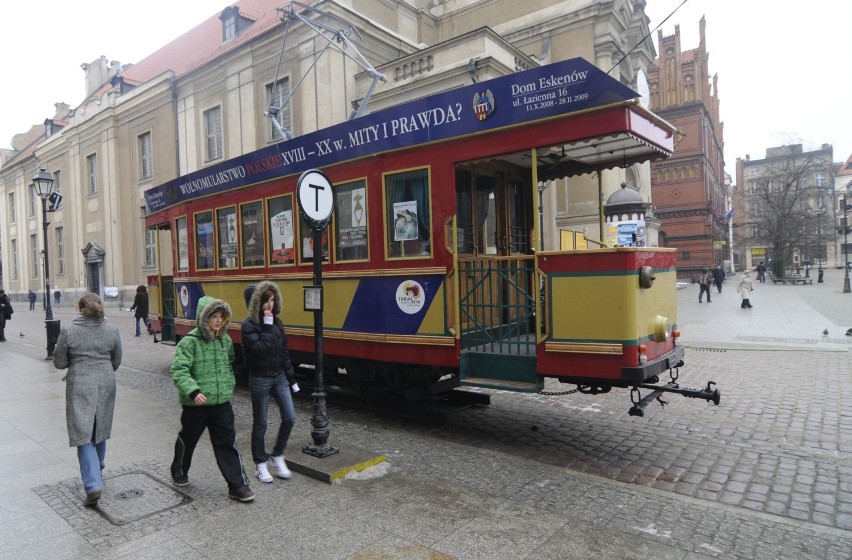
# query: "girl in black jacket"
[[270, 374]]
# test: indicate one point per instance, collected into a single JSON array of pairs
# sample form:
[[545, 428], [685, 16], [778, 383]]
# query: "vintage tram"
[[433, 276]]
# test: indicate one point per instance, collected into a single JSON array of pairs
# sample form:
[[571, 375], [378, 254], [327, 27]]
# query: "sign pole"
[[316, 201]]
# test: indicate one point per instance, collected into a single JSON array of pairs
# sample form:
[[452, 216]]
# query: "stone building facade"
[[203, 98]]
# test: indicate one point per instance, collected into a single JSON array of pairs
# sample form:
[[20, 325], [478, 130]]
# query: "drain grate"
[[136, 495]]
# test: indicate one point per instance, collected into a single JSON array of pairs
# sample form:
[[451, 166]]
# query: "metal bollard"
[[819, 277]]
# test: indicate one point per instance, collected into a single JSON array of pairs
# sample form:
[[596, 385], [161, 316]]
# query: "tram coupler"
[[708, 394]]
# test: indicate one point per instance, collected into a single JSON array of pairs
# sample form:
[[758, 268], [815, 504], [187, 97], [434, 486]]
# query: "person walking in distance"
[[31, 297], [270, 373], [203, 373], [705, 280], [91, 350], [761, 272], [718, 278], [57, 295], [746, 287], [5, 313], [140, 304]]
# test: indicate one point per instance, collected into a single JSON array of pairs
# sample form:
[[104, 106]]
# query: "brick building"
[[689, 192]]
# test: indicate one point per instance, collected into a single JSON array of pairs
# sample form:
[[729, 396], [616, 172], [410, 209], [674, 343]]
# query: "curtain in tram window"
[[411, 186]]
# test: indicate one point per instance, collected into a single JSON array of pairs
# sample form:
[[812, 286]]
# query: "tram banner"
[[539, 93]]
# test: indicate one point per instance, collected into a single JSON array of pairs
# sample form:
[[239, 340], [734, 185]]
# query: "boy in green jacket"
[[202, 371]]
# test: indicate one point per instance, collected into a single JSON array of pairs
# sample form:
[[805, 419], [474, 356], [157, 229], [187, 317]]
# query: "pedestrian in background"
[[761, 272], [140, 304], [91, 350], [5, 313], [203, 373], [718, 278], [57, 295], [746, 287], [705, 280], [31, 297], [270, 373]]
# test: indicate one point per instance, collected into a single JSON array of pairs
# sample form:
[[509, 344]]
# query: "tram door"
[[496, 272]]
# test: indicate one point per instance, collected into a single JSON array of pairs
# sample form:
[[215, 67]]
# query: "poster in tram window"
[[405, 221], [182, 244], [204, 240], [251, 218], [281, 234], [351, 218], [227, 224]]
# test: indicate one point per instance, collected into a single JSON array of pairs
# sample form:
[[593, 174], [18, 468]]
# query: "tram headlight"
[[662, 328]]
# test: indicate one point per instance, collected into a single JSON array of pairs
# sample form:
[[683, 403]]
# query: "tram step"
[[517, 386]]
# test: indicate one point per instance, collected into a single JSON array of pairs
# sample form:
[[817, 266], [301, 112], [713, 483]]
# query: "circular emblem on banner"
[[184, 296], [410, 297]]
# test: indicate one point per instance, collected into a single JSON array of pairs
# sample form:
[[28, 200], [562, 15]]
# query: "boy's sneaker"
[[263, 473], [243, 494], [280, 467], [180, 480]]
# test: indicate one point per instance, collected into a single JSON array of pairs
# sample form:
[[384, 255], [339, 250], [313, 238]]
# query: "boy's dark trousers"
[[219, 421], [704, 288]]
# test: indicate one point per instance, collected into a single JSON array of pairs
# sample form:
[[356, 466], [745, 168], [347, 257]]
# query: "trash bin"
[[819, 278], [52, 326]]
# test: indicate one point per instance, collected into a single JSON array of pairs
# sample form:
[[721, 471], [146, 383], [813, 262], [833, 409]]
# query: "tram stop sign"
[[316, 199]]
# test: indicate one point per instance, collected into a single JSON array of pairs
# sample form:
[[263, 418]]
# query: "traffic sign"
[[316, 198]]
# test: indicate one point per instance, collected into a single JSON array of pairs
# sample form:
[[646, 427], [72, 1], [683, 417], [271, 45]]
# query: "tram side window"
[[281, 231], [226, 225], [204, 246], [251, 218], [351, 236], [307, 236], [409, 225], [182, 243]]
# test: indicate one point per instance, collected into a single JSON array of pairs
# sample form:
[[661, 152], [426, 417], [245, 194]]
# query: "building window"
[[819, 179], [146, 157], [752, 171], [34, 254], [92, 167], [151, 248], [229, 26], [275, 95], [213, 132], [13, 249], [12, 208], [754, 230], [57, 180], [752, 187], [60, 250], [32, 199]]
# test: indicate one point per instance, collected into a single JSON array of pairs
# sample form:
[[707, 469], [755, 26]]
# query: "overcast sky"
[[782, 66]]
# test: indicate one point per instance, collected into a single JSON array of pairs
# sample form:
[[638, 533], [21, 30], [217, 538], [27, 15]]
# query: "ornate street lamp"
[[846, 289], [43, 185]]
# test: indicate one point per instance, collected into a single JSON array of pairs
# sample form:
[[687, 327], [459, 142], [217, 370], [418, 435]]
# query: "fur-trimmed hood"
[[253, 301], [207, 306]]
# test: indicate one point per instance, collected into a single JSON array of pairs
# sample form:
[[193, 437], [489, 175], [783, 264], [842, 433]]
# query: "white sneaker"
[[263, 473], [280, 467]]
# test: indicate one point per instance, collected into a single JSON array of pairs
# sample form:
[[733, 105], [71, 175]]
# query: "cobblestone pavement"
[[767, 474]]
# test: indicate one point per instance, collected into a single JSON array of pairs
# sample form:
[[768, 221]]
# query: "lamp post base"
[[846, 289], [52, 327]]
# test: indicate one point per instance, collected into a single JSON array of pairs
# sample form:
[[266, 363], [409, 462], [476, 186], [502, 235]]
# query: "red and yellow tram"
[[431, 275]]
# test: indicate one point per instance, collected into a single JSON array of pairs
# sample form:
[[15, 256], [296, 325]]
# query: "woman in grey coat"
[[91, 350]]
